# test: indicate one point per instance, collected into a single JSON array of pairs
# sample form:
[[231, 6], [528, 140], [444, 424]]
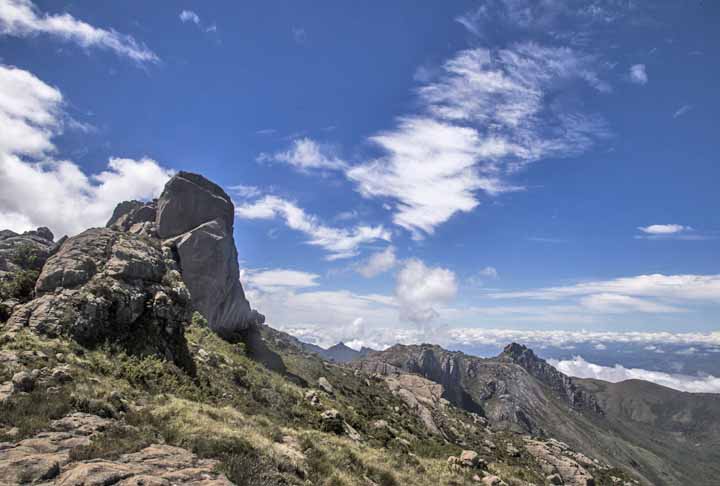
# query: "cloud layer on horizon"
[[580, 368]]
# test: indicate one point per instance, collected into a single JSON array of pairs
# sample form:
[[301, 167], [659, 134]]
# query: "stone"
[[312, 397], [332, 421], [23, 382], [469, 458], [61, 375], [555, 479], [190, 200], [491, 480], [108, 285], [195, 220], [130, 213], [325, 385]]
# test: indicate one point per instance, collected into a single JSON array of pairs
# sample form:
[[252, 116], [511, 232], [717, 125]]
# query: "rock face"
[[109, 285], [45, 459], [21, 258], [195, 218], [540, 369]]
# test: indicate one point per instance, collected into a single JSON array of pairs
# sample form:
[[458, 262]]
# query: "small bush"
[[114, 442]]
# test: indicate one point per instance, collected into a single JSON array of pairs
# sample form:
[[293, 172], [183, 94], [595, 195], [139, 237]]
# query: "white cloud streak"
[[305, 154], [683, 110], [38, 190], [663, 229], [673, 287], [377, 263], [21, 18], [485, 117], [277, 279], [339, 242], [580, 368]]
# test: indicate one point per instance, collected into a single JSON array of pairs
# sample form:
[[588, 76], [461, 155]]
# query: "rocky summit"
[[129, 355]]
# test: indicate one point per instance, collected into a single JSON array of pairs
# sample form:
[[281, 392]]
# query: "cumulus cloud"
[[582, 369], [361, 319], [21, 18], [305, 154], [377, 263], [663, 229], [339, 242], [189, 16], [638, 74], [37, 189], [486, 116], [419, 289], [278, 279]]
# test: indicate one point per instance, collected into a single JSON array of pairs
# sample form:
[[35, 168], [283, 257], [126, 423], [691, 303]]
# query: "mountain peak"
[[519, 353]]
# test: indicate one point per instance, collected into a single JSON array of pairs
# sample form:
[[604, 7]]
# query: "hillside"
[[129, 355], [664, 436]]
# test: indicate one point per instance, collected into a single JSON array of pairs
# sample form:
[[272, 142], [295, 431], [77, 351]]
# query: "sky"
[[457, 172]]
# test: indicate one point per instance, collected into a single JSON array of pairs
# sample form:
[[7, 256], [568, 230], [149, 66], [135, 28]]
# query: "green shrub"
[[114, 442]]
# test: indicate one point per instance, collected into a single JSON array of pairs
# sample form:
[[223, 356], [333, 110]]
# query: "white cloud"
[[485, 117], [482, 275], [38, 190], [663, 229], [672, 287], [684, 109], [582, 369], [562, 338], [277, 279], [339, 242], [189, 16], [615, 303], [245, 192], [363, 319], [305, 154], [489, 272], [419, 289], [21, 18], [378, 263], [638, 74]]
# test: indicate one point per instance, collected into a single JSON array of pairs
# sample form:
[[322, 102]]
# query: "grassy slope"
[[256, 421]]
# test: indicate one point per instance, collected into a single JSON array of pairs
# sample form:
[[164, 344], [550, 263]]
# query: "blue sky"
[[446, 171]]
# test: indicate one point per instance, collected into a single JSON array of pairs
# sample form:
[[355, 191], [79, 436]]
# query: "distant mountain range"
[[666, 436]]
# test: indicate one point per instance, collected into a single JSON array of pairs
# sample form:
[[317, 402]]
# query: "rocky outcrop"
[[21, 258], [24, 251], [557, 459], [195, 219], [46, 459], [559, 382], [106, 285]]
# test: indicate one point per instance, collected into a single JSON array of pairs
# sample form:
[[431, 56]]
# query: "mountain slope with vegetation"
[[131, 357]]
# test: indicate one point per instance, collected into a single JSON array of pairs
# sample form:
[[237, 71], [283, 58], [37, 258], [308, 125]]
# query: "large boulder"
[[195, 219], [188, 201], [21, 258], [106, 285]]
